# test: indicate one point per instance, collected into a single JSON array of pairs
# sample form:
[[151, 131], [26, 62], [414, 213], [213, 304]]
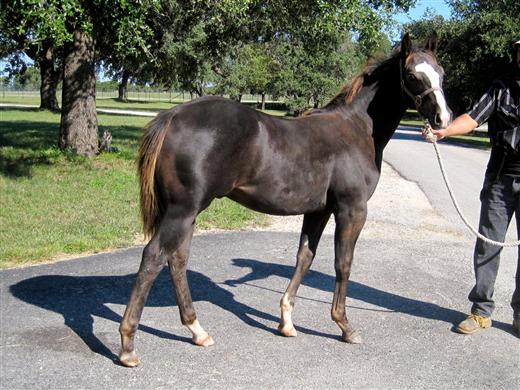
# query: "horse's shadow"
[[318, 280], [81, 298], [383, 299]]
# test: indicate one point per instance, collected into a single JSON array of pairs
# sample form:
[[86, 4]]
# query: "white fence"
[[145, 95]]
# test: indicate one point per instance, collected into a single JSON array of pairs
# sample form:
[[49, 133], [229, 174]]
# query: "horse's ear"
[[433, 43], [406, 45]]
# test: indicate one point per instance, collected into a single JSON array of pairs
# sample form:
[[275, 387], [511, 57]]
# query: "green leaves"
[[475, 46]]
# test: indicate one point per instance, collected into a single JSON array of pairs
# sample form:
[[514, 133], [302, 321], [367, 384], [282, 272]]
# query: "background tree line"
[[299, 51]]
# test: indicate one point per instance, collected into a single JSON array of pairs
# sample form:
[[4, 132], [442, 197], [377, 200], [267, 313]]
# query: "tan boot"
[[473, 324], [516, 326]]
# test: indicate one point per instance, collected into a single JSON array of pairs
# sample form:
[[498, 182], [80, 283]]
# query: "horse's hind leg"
[[175, 227], [349, 222], [178, 264], [313, 225]]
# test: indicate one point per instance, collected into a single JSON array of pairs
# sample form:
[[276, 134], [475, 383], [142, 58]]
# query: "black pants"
[[500, 200]]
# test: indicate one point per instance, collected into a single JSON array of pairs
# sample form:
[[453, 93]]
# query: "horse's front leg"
[[349, 222], [313, 225]]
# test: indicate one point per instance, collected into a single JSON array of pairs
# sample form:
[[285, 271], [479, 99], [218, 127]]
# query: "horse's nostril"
[[437, 120]]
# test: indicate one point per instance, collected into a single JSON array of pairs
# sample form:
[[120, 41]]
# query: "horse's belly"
[[280, 202]]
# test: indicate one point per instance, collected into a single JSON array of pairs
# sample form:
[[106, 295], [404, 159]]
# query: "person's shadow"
[[81, 298]]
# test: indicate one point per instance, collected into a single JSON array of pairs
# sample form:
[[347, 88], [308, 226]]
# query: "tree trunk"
[[123, 87], [263, 101], [78, 129], [49, 78]]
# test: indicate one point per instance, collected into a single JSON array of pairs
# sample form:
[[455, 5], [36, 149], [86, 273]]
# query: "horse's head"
[[421, 81]]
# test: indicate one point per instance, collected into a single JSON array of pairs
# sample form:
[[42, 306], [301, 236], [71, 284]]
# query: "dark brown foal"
[[326, 162]]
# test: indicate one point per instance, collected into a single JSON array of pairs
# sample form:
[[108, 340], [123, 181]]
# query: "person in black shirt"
[[500, 195]]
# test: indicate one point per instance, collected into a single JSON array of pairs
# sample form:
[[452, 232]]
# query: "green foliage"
[[120, 28], [28, 78], [56, 20], [288, 70], [249, 70], [309, 79], [195, 39], [190, 43], [475, 47]]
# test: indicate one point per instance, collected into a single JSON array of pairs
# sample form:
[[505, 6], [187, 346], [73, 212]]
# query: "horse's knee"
[[342, 273]]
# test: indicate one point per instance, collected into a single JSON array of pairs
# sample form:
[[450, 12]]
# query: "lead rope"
[[428, 134]]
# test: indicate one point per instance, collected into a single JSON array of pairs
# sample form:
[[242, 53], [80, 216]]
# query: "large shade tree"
[[109, 26], [25, 32], [175, 41], [78, 31], [193, 38]]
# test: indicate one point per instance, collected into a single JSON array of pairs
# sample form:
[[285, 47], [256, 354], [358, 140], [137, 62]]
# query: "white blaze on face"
[[435, 81]]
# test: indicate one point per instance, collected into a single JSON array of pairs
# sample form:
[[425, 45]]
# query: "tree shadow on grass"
[[26, 144]]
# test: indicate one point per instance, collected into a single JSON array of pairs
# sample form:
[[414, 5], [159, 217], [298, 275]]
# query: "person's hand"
[[440, 134], [432, 135]]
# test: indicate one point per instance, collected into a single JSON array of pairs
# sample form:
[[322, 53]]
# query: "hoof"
[[287, 331], [129, 359], [205, 341], [352, 337]]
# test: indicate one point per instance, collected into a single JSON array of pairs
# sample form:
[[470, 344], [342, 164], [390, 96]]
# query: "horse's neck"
[[385, 107]]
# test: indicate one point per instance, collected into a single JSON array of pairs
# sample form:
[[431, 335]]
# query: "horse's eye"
[[411, 77]]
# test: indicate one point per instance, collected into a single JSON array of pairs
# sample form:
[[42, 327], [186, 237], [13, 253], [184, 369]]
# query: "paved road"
[[415, 160], [59, 321]]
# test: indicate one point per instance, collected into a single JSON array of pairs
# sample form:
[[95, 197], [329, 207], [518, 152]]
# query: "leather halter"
[[417, 99]]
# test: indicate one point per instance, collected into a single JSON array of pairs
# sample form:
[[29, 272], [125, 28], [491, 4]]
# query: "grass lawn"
[[135, 105], [55, 204]]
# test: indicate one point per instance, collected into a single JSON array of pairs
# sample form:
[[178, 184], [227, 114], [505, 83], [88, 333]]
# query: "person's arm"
[[479, 113], [463, 124]]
